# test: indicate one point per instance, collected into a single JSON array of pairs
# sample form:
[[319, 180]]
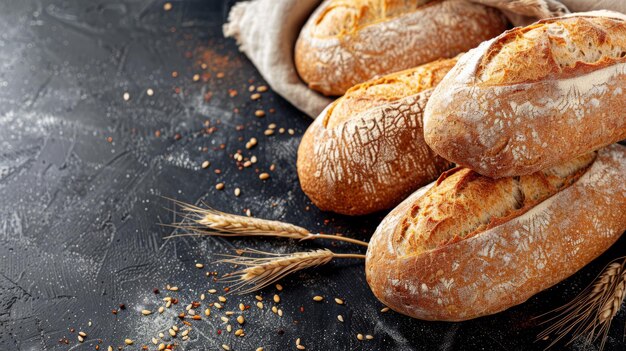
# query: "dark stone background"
[[83, 176]]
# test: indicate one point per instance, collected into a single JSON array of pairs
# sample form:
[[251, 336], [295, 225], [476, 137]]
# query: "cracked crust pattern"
[[501, 120], [504, 265], [362, 40], [366, 151]]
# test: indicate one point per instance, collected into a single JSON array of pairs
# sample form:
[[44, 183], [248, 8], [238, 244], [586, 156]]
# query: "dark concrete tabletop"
[[101, 118]]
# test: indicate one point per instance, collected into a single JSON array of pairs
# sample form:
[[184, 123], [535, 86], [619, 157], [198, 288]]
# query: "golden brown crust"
[[346, 42], [366, 151], [516, 256], [521, 103], [556, 48]]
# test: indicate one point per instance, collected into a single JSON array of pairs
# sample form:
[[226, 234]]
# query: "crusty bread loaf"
[[366, 151], [533, 97], [468, 245], [346, 42]]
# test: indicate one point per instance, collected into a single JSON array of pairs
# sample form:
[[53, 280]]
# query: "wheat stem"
[[262, 271], [590, 314], [207, 221]]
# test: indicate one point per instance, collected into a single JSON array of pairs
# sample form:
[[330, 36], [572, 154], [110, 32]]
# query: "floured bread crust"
[[347, 42], [366, 151], [570, 215], [533, 97]]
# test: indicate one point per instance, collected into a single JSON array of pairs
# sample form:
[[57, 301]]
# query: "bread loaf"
[[366, 151], [468, 245], [346, 42], [533, 97]]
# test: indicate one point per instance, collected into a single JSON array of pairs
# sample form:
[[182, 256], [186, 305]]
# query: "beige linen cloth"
[[266, 31]]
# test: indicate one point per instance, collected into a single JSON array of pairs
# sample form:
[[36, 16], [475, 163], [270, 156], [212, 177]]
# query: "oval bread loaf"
[[346, 42], [533, 97], [468, 245], [366, 150]]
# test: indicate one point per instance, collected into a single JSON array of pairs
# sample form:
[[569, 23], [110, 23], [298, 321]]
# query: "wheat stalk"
[[590, 314], [268, 268], [199, 221]]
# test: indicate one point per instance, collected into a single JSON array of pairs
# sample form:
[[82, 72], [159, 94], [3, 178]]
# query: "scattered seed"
[[219, 186], [242, 307], [206, 164], [240, 320], [262, 88], [268, 132], [251, 143], [317, 298], [175, 328], [224, 319], [226, 347], [338, 301], [202, 296], [291, 131], [172, 333], [128, 342], [255, 96], [259, 113], [150, 92], [259, 349], [253, 159], [258, 298], [298, 341], [280, 312], [281, 130], [221, 298], [237, 192], [167, 6], [217, 305], [185, 332], [220, 75], [229, 313], [369, 337], [168, 304], [81, 339], [276, 298], [126, 96], [359, 336], [340, 318], [384, 309], [155, 341], [161, 347], [207, 312], [196, 77], [259, 304], [173, 288], [146, 312], [264, 176], [83, 334], [212, 291], [161, 309], [274, 309], [110, 348], [300, 347]]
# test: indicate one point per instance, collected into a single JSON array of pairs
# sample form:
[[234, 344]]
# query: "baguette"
[[533, 97], [366, 151], [468, 245], [347, 42]]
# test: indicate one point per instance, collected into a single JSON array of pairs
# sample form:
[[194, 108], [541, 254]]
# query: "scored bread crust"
[[366, 151], [346, 42], [504, 265], [533, 97]]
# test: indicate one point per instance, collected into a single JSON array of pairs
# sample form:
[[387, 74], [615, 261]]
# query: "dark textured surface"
[[82, 173]]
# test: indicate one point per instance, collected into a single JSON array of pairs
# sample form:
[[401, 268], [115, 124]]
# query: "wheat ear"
[[267, 268], [199, 221], [590, 314]]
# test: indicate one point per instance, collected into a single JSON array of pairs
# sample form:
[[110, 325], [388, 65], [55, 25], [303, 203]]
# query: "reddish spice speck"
[[174, 74], [114, 311], [232, 92], [177, 90], [122, 306], [157, 133], [302, 309], [219, 332], [110, 139], [177, 136], [155, 290], [208, 96]]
